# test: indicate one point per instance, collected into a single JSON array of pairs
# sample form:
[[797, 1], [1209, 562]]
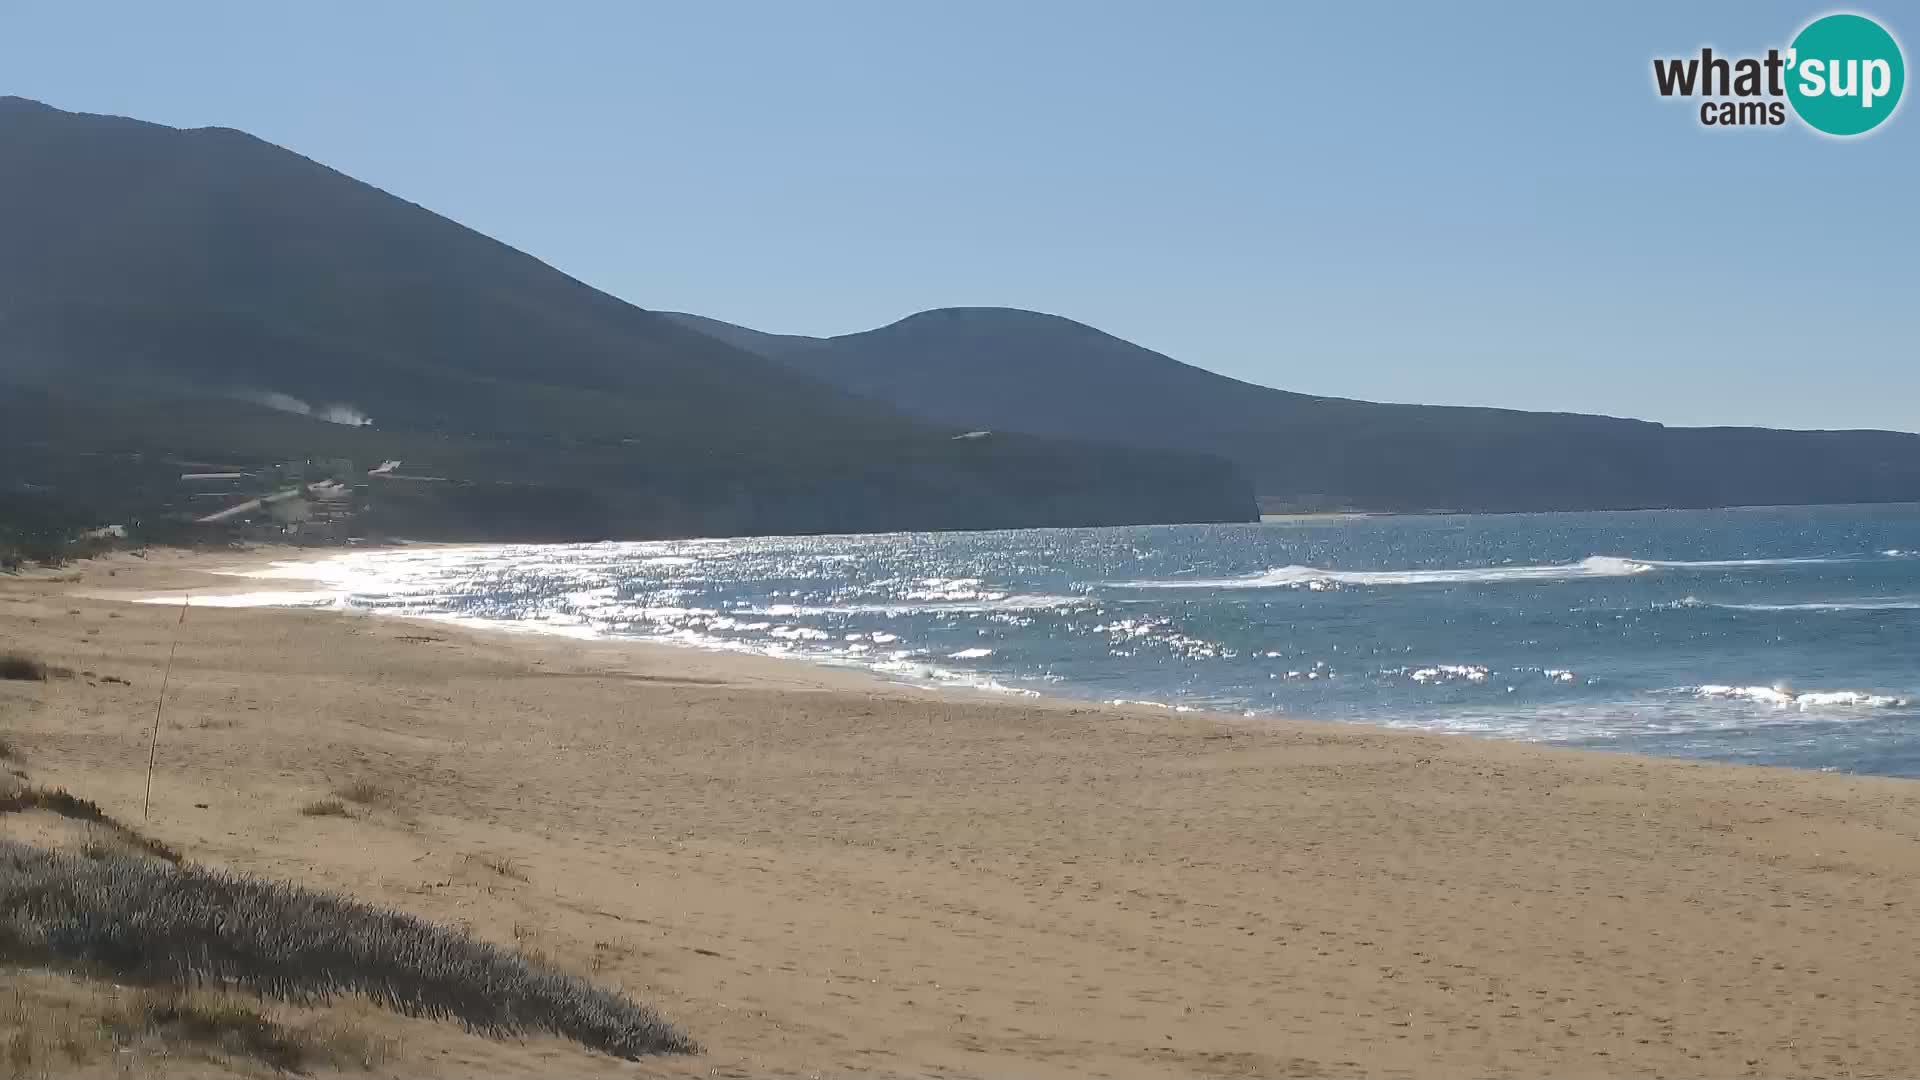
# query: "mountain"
[[205, 295], [758, 342], [1010, 370]]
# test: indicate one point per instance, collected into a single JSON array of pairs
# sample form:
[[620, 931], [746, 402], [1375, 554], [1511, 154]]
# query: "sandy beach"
[[817, 873]]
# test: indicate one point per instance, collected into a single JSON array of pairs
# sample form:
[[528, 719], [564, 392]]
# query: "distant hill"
[[177, 292], [1012, 370], [757, 342]]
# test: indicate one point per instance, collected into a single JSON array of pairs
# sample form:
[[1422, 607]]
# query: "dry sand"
[[815, 873]]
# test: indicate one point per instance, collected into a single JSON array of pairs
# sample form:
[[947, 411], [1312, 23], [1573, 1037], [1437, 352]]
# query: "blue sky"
[[1471, 204]]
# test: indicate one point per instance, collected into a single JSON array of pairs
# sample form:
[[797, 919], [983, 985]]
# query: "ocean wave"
[[1449, 672], [1476, 674], [929, 674], [305, 598], [989, 603], [1784, 697], [1742, 564], [1145, 704], [1682, 604], [1867, 604], [1594, 566]]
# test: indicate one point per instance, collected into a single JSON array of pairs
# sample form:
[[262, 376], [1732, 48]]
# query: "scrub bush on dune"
[[67, 805], [24, 668], [186, 926]]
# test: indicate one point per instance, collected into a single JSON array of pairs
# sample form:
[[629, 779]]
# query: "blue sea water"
[[1779, 636]]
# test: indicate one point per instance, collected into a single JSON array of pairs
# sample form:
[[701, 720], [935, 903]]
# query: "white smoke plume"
[[332, 414]]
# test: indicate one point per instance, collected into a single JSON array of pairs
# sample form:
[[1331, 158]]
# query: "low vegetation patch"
[[503, 865], [60, 801], [223, 1024], [22, 667], [366, 793], [186, 927], [49, 1026], [326, 808]]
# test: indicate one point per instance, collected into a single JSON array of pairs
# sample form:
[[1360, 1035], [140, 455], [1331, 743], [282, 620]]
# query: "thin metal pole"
[[154, 748]]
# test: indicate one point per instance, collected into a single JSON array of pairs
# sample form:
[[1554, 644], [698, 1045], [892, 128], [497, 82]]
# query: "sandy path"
[[816, 873]]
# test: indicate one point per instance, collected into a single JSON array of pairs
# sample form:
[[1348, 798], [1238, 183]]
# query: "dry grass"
[[60, 801], [326, 808], [49, 1025], [527, 938], [186, 927], [366, 793], [22, 667], [220, 1025], [96, 848], [41, 1033], [503, 865]]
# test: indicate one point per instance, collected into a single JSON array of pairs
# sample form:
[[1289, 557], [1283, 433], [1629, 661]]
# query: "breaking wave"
[[1786, 698], [1739, 564], [1594, 566], [986, 603], [1868, 604]]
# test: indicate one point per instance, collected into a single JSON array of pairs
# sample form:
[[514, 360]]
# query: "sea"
[[1781, 636]]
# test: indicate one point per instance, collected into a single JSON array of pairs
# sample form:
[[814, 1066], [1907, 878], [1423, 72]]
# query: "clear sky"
[[1474, 204]]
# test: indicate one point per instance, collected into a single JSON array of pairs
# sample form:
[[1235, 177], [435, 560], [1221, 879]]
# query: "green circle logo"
[[1845, 74]]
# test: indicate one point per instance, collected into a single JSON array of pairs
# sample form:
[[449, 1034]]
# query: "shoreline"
[[853, 675], [284, 566], [814, 870]]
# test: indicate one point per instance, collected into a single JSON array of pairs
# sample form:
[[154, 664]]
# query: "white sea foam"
[[997, 603], [1682, 604], [1813, 698], [1475, 674], [313, 598], [1892, 603], [1784, 697], [1141, 703], [1739, 564], [952, 590], [799, 633], [915, 672], [1595, 566], [1444, 672]]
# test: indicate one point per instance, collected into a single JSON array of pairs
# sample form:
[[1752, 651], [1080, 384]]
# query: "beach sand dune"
[[813, 872]]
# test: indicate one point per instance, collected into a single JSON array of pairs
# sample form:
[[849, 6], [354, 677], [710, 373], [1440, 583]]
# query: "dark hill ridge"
[[156, 284], [1012, 370], [217, 260]]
